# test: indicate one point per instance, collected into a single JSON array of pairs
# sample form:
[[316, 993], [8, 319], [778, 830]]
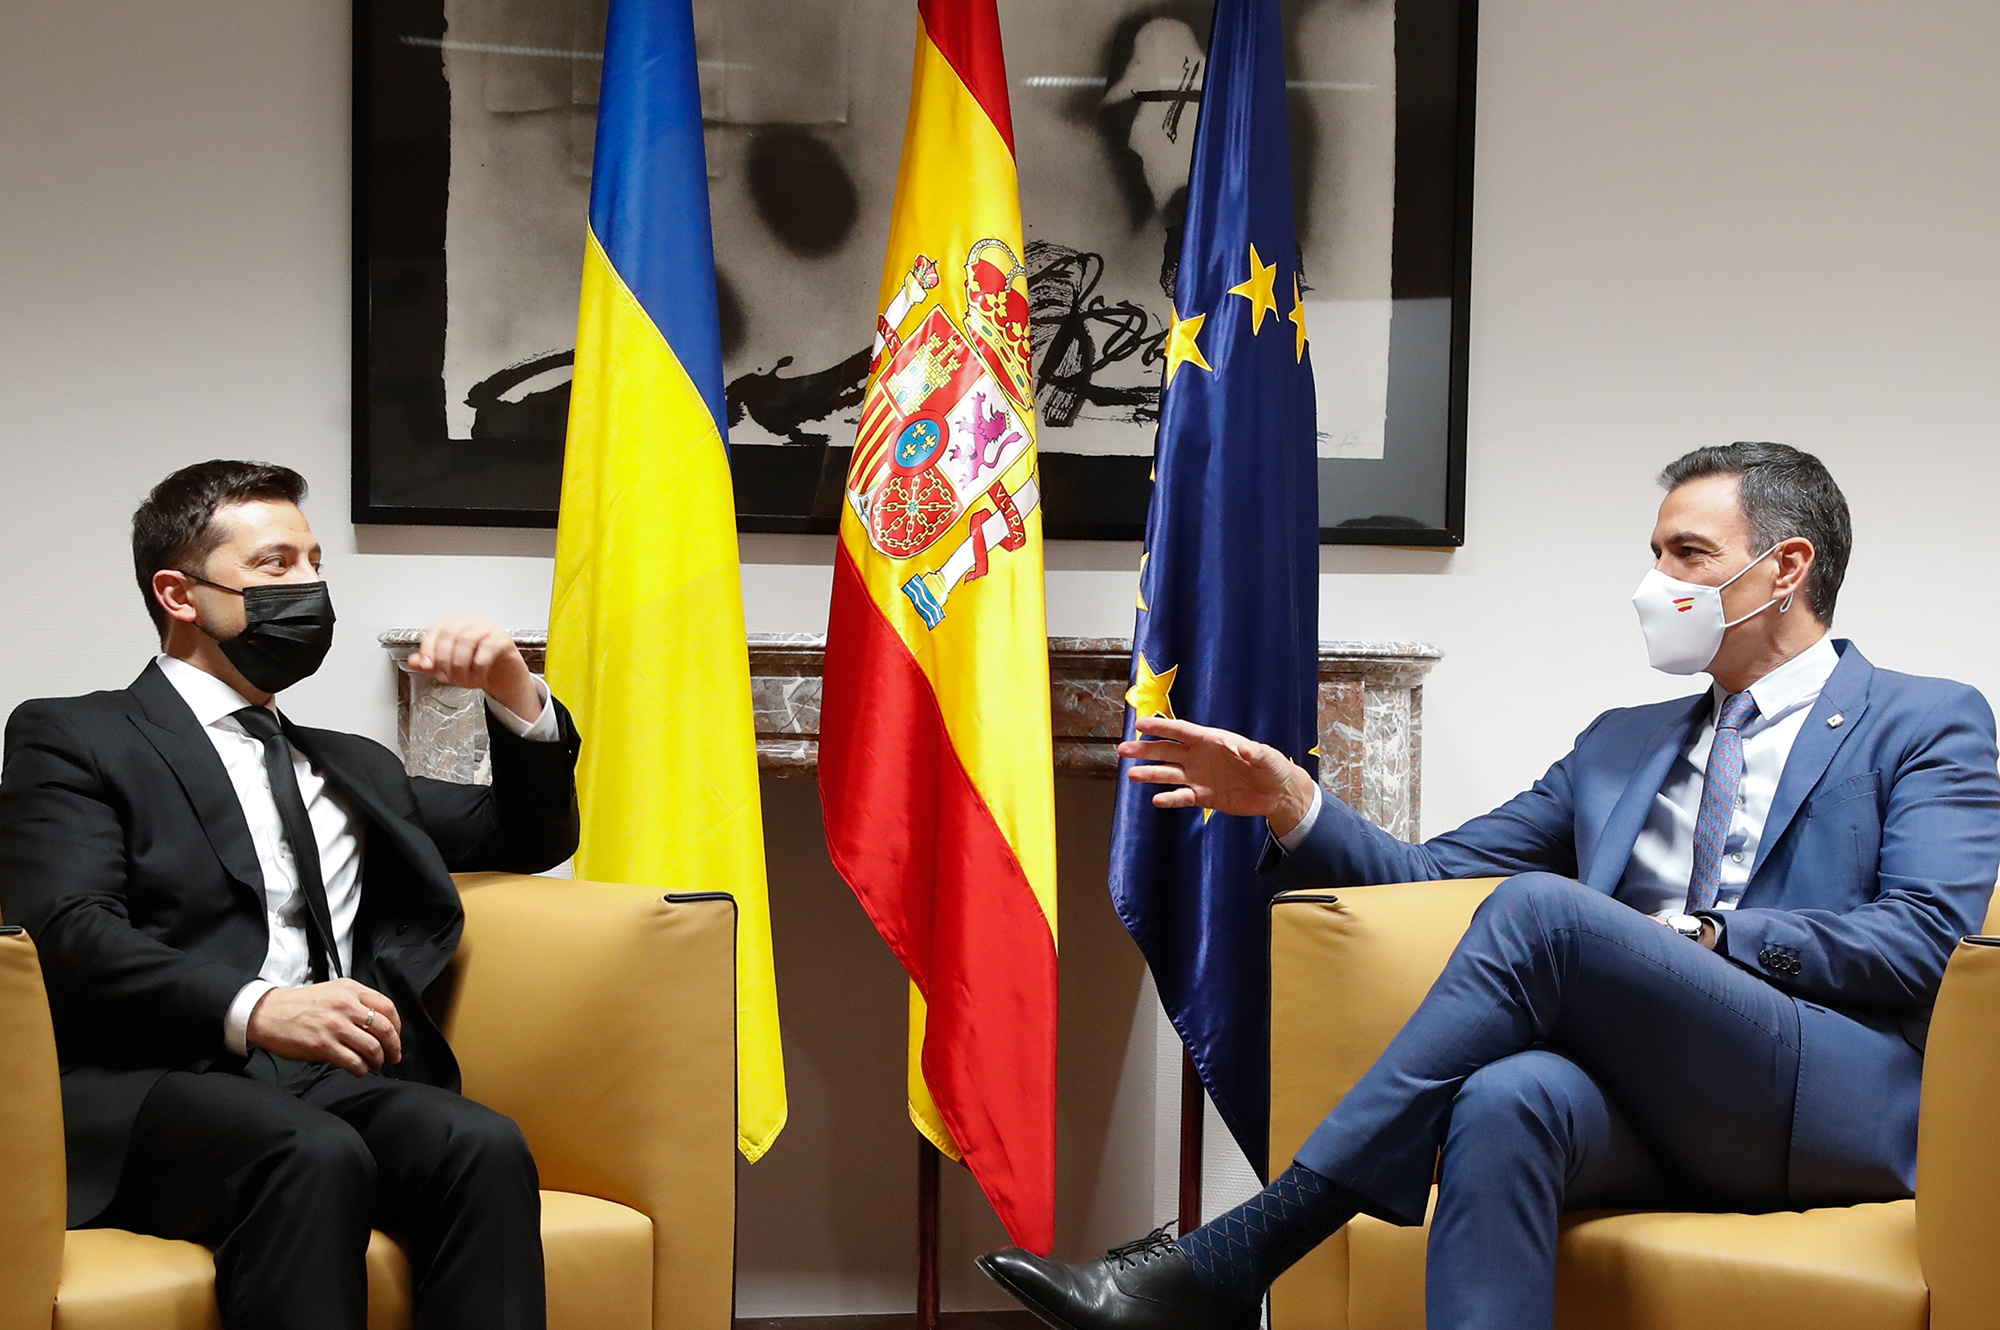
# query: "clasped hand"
[[1219, 769], [340, 1022], [469, 651]]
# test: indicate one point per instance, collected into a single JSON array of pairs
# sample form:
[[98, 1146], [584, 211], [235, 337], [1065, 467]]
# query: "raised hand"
[[468, 651], [340, 1022], [1219, 769]]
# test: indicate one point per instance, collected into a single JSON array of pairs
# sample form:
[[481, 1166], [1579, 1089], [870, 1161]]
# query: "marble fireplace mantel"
[[1370, 714]]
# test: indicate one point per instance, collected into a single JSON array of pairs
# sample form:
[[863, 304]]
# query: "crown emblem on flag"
[[996, 315]]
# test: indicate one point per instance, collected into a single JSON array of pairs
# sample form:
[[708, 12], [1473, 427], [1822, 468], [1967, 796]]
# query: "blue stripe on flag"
[[649, 187]]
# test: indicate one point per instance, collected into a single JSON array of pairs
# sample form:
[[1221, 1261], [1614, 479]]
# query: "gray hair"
[[1781, 492]]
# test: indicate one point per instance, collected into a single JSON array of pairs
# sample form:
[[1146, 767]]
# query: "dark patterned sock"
[[1238, 1254]]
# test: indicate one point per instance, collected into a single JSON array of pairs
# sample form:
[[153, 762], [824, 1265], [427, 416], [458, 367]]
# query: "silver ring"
[[369, 1024]]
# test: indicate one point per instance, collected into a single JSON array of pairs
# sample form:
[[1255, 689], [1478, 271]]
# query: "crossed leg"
[[1701, 1056], [1529, 1136]]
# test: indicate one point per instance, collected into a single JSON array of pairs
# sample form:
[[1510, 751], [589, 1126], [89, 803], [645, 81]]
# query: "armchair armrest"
[[1348, 967], [1958, 1178], [35, 1193], [602, 1019]]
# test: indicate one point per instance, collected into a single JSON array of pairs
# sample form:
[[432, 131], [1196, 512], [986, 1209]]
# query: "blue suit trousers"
[[1573, 1054]]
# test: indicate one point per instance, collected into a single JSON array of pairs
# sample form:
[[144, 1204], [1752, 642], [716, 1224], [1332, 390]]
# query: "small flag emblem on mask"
[[1684, 603]]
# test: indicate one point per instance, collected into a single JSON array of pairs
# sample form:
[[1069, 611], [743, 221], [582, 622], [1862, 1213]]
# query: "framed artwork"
[[473, 136]]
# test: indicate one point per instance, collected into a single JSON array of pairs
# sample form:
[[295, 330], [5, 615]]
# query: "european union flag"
[[1228, 622]]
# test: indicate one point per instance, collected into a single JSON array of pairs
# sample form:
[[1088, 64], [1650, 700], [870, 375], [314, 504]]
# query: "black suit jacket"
[[124, 853]]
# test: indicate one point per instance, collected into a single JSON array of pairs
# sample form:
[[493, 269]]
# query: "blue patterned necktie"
[[1718, 799]]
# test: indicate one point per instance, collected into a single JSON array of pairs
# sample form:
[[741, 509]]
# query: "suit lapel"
[[170, 727], [1628, 815], [336, 772], [414, 847], [1845, 695]]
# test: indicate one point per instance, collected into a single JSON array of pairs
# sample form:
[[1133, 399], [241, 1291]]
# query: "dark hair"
[[175, 527], [1782, 493]]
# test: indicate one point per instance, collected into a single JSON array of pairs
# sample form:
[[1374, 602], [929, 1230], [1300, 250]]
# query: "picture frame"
[[435, 443]]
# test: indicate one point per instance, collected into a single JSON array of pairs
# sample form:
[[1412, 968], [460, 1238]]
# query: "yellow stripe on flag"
[[647, 649], [924, 1115]]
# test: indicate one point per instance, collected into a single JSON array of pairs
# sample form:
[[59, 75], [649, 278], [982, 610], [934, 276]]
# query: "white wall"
[[1697, 220]]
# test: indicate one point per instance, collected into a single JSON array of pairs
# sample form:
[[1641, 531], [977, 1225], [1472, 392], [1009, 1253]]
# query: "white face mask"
[[1683, 621]]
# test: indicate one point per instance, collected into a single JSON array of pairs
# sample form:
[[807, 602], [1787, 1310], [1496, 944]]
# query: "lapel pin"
[[1833, 721]]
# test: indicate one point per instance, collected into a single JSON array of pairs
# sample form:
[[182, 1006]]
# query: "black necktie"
[[262, 725]]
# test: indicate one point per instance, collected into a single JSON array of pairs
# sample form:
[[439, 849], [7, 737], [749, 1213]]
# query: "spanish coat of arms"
[[949, 412]]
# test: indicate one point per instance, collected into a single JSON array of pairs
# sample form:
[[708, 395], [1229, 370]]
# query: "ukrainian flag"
[[646, 640]]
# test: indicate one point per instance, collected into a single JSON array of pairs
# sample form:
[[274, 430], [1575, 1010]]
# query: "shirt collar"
[[208, 697], [1797, 681]]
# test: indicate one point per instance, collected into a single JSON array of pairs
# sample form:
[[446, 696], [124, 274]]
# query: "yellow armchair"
[[601, 1018], [1347, 969]]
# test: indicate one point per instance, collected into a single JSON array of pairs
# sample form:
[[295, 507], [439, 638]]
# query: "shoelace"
[[1156, 1243]]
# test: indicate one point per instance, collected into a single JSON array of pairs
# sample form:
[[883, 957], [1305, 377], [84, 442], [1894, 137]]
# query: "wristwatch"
[[1687, 925]]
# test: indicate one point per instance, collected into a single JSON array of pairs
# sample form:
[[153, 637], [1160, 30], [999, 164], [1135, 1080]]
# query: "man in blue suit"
[[1705, 982]]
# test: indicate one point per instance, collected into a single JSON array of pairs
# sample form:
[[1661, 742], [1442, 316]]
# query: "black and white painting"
[[476, 121]]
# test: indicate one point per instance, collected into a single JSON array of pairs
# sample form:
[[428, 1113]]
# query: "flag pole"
[[1192, 1115], [927, 1233]]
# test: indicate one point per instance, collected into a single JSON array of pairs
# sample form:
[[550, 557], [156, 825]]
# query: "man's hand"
[[1220, 770], [468, 651], [341, 1023]]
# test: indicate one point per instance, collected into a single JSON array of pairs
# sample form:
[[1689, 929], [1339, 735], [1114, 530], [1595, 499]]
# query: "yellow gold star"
[[1181, 344], [1148, 695], [1298, 316], [1258, 290], [1142, 582]]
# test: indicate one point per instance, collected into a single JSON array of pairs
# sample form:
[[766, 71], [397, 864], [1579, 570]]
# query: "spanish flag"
[[935, 767], [646, 641]]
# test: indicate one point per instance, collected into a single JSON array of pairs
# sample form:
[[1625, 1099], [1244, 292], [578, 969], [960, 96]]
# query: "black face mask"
[[287, 631]]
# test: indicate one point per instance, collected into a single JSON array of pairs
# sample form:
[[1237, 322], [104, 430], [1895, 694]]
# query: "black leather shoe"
[[1145, 1285]]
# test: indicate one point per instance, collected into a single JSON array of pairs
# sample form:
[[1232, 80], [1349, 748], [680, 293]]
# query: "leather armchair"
[[601, 1018], [1348, 968]]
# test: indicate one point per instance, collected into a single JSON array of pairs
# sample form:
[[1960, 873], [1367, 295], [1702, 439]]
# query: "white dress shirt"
[[287, 961], [1656, 878], [1296, 837]]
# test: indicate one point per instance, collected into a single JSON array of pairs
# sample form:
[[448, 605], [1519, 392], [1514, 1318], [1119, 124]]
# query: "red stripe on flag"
[[909, 831], [876, 425], [967, 33]]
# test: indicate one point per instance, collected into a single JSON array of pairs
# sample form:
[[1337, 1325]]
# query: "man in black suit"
[[237, 919]]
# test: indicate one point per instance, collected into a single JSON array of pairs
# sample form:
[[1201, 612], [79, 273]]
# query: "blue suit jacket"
[[1879, 853]]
